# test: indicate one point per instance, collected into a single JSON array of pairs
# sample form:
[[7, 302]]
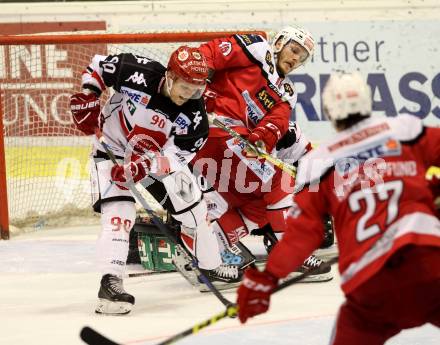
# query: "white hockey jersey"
[[137, 117]]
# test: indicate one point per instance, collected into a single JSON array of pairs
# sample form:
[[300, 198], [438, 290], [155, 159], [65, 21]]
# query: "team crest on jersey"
[[183, 55], [249, 39], [266, 100], [182, 124], [225, 48], [384, 147]]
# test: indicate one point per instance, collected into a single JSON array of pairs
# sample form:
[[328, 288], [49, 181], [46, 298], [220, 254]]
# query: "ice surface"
[[49, 287]]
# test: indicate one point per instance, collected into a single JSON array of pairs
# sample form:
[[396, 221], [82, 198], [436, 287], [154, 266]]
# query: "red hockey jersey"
[[246, 89], [371, 179]]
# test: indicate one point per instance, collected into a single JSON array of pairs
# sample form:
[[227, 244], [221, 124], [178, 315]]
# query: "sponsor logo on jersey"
[[269, 62], [263, 170], [253, 112], [182, 124], [131, 107], [383, 148], [249, 39], [136, 96], [141, 59], [275, 89], [359, 136], [197, 118], [137, 78], [181, 159], [289, 89], [266, 100]]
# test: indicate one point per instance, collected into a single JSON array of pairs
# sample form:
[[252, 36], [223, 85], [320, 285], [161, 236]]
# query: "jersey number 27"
[[388, 191]]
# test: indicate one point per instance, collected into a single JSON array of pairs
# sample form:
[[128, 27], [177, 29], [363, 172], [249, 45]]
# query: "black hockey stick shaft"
[[232, 310], [158, 222], [92, 337], [144, 274]]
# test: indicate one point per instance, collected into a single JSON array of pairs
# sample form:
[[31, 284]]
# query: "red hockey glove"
[[254, 293], [265, 137], [135, 171], [85, 110]]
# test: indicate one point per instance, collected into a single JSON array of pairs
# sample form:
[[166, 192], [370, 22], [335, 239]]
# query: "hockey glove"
[[135, 171], [264, 137], [86, 111], [254, 293]]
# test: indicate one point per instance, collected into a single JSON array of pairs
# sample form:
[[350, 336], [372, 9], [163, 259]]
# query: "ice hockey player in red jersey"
[[249, 92], [371, 178], [235, 223], [154, 122]]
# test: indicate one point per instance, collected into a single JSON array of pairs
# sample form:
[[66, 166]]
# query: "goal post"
[[4, 214], [43, 157]]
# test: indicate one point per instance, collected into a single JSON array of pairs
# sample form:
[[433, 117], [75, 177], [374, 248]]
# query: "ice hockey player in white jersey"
[[154, 122]]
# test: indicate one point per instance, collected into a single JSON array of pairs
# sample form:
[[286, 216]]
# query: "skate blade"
[[113, 308], [220, 286], [326, 253], [314, 278]]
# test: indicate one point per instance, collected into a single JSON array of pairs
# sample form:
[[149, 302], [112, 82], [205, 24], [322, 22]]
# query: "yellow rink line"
[[47, 161]]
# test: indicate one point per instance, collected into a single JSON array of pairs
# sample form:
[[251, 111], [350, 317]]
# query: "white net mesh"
[[46, 157]]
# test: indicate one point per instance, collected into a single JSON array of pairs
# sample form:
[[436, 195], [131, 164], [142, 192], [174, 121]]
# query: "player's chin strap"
[[290, 169], [158, 222], [91, 337]]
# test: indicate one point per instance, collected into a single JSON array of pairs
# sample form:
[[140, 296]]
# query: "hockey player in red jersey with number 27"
[[371, 178]]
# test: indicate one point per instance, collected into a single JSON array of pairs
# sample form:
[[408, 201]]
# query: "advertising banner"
[[400, 60]]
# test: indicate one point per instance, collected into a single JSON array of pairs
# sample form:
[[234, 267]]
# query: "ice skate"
[[321, 273], [224, 277], [113, 299]]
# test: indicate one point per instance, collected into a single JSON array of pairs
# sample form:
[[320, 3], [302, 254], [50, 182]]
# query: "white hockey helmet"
[[346, 94], [297, 34]]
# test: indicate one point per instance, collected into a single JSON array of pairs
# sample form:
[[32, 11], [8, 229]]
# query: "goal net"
[[46, 157]]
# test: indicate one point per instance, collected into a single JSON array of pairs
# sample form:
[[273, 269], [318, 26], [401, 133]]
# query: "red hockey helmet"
[[189, 64]]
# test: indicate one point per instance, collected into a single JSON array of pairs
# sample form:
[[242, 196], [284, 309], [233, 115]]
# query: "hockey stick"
[[92, 337], [158, 222], [144, 274], [290, 169]]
